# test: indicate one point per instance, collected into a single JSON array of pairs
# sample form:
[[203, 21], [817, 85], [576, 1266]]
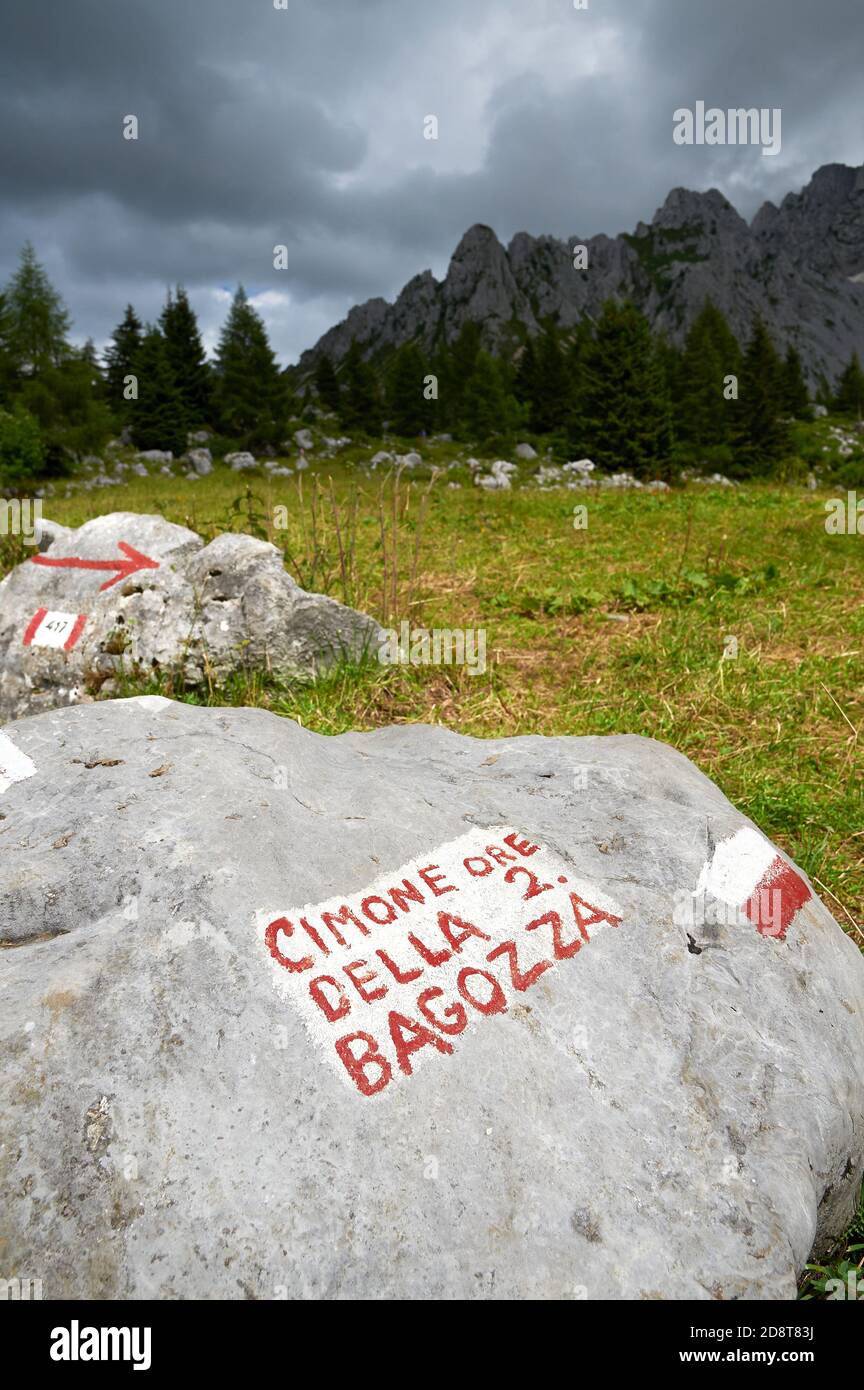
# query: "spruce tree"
[[327, 384], [760, 437], [7, 363], [794, 396], [552, 386], [158, 417], [361, 398], [484, 412], [186, 356], [119, 356], [457, 367], [38, 321], [407, 408], [849, 397], [250, 391], [525, 384], [711, 354], [626, 408]]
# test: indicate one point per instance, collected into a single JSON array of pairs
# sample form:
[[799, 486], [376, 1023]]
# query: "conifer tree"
[[119, 356], [711, 354], [626, 408], [484, 401], [525, 383], [406, 406], [327, 384], [794, 396], [7, 363], [849, 397], [457, 368], [158, 416], [760, 437], [361, 398], [550, 403], [186, 356], [37, 318], [250, 391]]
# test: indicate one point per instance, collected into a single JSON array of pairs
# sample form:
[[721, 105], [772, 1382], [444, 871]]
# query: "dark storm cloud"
[[260, 126]]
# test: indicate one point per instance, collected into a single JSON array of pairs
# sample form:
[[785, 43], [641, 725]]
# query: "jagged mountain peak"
[[798, 265], [684, 206]]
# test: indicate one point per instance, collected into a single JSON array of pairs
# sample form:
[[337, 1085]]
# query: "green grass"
[[620, 627]]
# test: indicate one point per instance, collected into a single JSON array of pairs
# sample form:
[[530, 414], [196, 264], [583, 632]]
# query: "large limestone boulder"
[[129, 591], [407, 1015]]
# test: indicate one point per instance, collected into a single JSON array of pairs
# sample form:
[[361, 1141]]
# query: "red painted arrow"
[[135, 562]]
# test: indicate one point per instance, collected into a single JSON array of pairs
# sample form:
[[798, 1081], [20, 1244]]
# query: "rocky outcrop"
[[801, 266]]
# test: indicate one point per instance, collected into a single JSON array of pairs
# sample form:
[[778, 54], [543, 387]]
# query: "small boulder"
[[525, 451], [241, 462], [155, 456], [160, 599], [201, 461]]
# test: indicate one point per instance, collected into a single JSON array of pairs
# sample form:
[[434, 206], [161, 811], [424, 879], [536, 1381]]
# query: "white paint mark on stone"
[[736, 867], [15, 766], [386, 977]]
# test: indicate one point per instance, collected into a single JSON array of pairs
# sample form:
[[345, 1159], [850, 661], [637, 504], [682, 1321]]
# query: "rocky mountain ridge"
[[801, 265]]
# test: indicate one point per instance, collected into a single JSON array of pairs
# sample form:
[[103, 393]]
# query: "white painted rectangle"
[[15, 766], [56, 630]]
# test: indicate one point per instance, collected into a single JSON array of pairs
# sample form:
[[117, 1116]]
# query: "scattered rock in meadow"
[[241, 461], [499, 476], [155, 456], [201, 461]]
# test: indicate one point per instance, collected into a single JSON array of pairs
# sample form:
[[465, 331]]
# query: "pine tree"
[[186, 356], [361, 398], [158, 417], [849, 397], [794, 396], [407, 408], [38, 320], [626, 408], [250, 391], [760, 437], [711, 354], [327, 384], [119, 356]]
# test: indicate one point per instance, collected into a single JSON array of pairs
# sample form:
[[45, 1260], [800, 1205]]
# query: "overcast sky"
[[304, 126]]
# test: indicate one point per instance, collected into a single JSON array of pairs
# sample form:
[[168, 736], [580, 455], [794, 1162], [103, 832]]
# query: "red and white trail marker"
[[747, 874], [48, 628]]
